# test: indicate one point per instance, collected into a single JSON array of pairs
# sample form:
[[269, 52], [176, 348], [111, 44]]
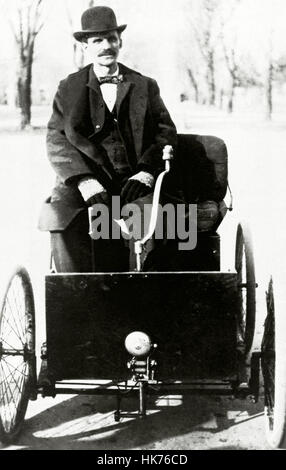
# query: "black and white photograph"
[[143, 227]]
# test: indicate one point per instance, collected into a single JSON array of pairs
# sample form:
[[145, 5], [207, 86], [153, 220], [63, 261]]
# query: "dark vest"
[[115, 142]]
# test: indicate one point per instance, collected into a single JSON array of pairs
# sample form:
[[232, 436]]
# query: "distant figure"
[[105, 137], [43, 96], [183, 97], [4, 99]]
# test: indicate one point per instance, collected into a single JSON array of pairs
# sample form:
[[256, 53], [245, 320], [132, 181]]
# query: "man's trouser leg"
[[71, 250]]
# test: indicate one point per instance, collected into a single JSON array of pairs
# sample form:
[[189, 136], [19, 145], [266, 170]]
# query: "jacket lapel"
[[122, 91], [96, 103], [138, 103], [84, 101]]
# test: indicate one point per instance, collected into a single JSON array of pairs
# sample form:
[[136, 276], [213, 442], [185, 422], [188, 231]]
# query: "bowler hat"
[[98, 20]]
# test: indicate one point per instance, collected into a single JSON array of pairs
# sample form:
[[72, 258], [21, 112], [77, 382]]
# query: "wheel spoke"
[[13, 402], [8, 385], [12, 372], [3, 340], [7, 332], [14, 342], [8, 401], [4, 407], [11, 297], [8, 319], [18, 320], [6, 377], [15, 323], [20, 302], [14, 367]]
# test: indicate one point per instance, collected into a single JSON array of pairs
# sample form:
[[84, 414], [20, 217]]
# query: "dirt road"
[[173, 423]]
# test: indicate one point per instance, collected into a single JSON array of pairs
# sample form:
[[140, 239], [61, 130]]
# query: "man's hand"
[[93, 192], [137, 186]]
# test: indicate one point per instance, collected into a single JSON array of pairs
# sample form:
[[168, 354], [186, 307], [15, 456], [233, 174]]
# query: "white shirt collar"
[[109, 90], [98, 74]]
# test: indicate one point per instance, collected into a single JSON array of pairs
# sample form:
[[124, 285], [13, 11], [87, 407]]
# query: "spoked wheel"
[[244, 265], [273, 364], [17, 354]]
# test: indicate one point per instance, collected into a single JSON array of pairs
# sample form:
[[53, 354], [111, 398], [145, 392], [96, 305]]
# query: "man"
[[105, 137]]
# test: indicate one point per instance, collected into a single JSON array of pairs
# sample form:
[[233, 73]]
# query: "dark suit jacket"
[[78, 116]]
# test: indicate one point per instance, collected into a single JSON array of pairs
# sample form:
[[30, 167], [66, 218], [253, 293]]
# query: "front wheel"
[[17, 354], [273, 364]]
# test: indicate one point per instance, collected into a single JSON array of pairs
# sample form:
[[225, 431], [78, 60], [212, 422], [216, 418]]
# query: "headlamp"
[[138, 344]]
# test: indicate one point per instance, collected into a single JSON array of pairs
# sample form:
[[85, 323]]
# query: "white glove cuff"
[[90, 187], [145, 178]]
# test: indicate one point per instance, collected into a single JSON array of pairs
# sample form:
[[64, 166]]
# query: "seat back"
[[202, 162]]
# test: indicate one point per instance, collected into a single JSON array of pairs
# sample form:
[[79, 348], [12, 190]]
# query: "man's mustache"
[[108, 52]]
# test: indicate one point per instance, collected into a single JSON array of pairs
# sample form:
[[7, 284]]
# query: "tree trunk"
[[211, 79], [24, 98], [24, 85], [231, 96], [195, 85], [269, 91], [221, 96]]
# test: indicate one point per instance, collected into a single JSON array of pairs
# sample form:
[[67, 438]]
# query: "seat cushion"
[[202, 165], [209, 215]]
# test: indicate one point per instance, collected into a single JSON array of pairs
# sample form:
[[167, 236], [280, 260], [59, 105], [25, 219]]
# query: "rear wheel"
[[17, 354], [244, 265], [273, 363]]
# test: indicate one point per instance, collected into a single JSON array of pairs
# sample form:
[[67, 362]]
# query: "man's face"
[[103, 49]]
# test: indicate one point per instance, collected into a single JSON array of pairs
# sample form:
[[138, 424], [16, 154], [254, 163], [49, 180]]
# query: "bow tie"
[[115, 80]]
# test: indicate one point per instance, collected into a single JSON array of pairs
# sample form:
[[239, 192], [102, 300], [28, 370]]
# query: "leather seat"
[[202, 166]]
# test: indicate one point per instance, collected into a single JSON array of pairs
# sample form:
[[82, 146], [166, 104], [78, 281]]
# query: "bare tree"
[[272, 46], [198, 59], [272, 69], [269, 89], [269, 73], [228, 36], [208, 53], [233, 69], [26, 25], [194, 83], [207, 37]]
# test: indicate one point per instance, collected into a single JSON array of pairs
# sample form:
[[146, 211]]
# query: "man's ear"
[[120, 43], [83, 45]]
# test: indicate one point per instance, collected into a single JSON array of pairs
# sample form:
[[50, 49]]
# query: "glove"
[[93, 192], [137, 186]]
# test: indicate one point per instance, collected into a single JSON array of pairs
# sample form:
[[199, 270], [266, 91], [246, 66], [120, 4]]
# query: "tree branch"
[[17, 38], [28, 37], [21, 32], [37, 16]]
